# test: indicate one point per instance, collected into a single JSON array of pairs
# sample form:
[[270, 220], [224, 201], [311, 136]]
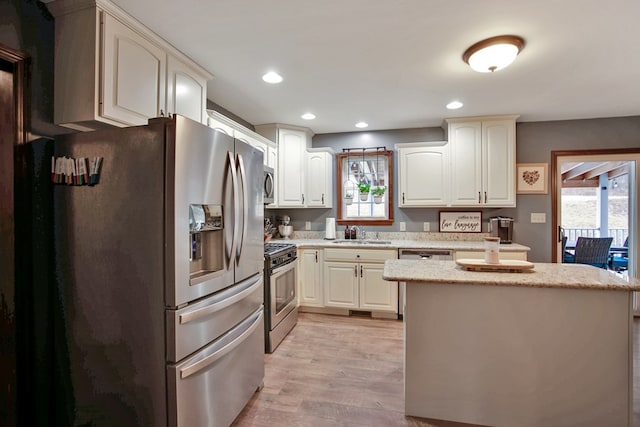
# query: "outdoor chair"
[[620, 261], [593, 251]]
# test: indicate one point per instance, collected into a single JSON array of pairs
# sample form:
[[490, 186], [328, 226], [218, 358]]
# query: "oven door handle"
[[279, 271], [217, 306], [203, 363]]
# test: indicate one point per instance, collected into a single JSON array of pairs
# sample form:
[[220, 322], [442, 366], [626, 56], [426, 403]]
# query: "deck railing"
[[619, 234]]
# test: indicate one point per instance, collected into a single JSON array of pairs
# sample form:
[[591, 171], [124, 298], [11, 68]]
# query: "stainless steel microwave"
[[268, 185]]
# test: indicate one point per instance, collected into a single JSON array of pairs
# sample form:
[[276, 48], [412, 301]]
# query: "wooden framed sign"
[[460, 222]]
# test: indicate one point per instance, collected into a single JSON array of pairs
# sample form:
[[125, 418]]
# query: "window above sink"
[[364, 187]]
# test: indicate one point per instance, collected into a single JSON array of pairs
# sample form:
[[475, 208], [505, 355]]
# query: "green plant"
[[364, 188], [379, 191], [348, 195]]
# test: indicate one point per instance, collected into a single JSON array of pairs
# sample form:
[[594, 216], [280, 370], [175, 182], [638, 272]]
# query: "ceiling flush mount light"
[[308, 116], [454, 105], [361, 125], [494, 53], [272, 77]]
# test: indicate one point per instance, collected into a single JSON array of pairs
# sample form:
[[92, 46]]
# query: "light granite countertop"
[[543, 275], [468, 245]]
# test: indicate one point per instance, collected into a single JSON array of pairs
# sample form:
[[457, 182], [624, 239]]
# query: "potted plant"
[[348, 198], [364, 191], [378, 193]]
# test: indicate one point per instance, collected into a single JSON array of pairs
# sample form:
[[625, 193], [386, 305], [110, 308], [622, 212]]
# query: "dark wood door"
[[12, 78]]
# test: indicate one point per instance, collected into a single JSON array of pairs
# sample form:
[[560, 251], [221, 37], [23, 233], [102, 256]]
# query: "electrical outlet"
[[538, 218], [307, 225], [425, 226], [403, 226]]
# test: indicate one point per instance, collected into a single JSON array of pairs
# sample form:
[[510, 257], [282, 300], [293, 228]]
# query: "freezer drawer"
[[196, 325], [211, 387]]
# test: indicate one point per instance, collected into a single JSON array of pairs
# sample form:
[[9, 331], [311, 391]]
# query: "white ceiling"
[[396, 63]]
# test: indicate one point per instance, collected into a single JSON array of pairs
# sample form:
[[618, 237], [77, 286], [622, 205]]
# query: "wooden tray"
[[505, 265]]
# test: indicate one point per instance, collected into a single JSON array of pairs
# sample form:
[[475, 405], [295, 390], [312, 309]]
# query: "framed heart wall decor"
[[531, 178]]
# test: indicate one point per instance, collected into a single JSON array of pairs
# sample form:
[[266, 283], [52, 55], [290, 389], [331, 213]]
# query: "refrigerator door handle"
[[219, 305], [245, 203], [234, 181], [194, 368]]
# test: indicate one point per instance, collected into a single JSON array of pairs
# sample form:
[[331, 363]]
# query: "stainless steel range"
[[280, 300]]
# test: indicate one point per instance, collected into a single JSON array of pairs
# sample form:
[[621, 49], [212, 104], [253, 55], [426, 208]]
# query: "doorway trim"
[[20, 63]]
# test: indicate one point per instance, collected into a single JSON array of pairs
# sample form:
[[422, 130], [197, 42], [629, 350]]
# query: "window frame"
[[340, 159]]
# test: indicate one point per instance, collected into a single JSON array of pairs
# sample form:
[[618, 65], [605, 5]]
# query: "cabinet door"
[[272, 157], [186, 91], [376, 293], [319, 180], [341, 284], [292, 146], [466, 163], [134, 75], [309, 278], [424, 175], [498, 158], [253, 142], [220, 126]]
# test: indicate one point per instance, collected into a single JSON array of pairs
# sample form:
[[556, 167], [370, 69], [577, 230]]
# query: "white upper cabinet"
[[319, 178], [217, 121], [232, 128], [300, 184], [112, 70], [133, 70], [292, 149], [483, 161], [186, 91], [423, 174]]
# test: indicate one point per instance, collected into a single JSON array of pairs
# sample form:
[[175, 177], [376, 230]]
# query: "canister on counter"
[[492, 250]]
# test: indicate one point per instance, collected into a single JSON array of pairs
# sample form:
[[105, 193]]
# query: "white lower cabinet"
[[353, 280], [341, 284], [310, 277]]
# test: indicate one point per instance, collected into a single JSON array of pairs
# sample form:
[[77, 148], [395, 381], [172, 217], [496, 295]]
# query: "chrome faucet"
[[361, 233]]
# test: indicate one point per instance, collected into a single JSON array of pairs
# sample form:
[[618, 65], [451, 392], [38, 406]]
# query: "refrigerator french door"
[[159, 277]]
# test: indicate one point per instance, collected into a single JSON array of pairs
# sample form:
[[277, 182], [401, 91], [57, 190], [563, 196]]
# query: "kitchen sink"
[[363, 242]]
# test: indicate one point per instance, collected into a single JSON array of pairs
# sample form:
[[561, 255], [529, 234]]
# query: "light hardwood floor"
[[347, 371]]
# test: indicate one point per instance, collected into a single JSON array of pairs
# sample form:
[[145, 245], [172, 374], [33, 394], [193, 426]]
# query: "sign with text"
[[460, 222]]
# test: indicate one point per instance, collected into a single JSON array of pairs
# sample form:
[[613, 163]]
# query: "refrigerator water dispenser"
[[205, 241]]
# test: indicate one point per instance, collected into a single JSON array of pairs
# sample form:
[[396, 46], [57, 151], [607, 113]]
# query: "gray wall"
[[535, 141]]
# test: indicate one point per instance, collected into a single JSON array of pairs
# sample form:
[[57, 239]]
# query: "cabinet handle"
[[360, 271], [316, 257], [355, 271], [479, 198], [323, 198], [485, 197], [303, 199], [403, 197]]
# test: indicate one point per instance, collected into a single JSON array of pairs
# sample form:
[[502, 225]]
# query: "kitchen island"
[[551, 346]]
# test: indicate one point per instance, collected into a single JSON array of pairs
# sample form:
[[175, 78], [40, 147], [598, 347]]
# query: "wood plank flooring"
[[347, 371]]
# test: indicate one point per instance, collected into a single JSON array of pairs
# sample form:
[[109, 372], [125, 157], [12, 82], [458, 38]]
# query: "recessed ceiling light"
[[361, 125], [493, 53], [308, 116], [454, 105], [272, 77]]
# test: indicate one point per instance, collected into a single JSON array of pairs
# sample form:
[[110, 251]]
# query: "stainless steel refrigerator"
[[159, 275]]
